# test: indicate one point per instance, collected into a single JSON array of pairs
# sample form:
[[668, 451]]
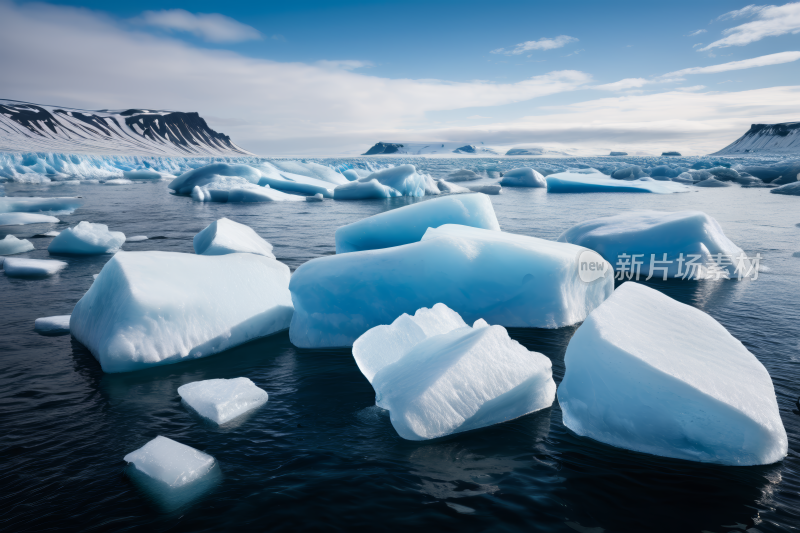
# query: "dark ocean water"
[[319, 455]]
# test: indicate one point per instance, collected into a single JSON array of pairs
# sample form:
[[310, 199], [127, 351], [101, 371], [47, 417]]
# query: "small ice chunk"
[[463, 175], [650, 374], [12, 245], [46, 234], [136, 238], [409, 223], [20, 219], [17, 267], [712, 182], [440, 376], [523, 177], [171, 462], [225, 236], [52, 325], [486, 189], [222, 400], [316, 198], [87, 239]]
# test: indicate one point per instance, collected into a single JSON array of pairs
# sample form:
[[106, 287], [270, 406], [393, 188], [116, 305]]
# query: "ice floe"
[[569, 182], [87, 239], [409, 223], [136, 238], [683, 244], [711, 182], [152, 308], [21, 219], [224, 236], [50, 206], [17, 267], [402, 180], [486, 189], [144, 174], [52, 325], [222, 400], [506, 279], [438, 376], [523, 177], [446, 186], [12, 245], [650, 374]]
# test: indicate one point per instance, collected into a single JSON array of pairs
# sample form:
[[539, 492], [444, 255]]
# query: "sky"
[[333, 78]]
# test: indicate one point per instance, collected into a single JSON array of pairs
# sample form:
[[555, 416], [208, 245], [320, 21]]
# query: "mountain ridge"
[[782, 138]]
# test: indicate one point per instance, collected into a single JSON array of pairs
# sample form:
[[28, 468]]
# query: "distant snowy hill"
[[39, 128], [417, 148], [766, 139]]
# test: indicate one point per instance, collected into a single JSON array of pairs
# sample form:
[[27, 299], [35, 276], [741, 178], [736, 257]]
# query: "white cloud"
[[622, 85], [770, 21], [344, 64], [698, 32], [545, 43], [211, 27], [477, 117], [696, 45]]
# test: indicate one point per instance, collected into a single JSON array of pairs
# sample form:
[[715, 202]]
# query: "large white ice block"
[[408, 224], [402, 180], [651, 234], [647, 373], [523, 177], [52, 325], [204, 175], [506, 279], [52, 206], [438, 376], [225, 236], [12, 245], [18, 267], [87, 239], [20, 219], [298, 183], [569, 182], [171, 462], [222, 400], [153, 308]]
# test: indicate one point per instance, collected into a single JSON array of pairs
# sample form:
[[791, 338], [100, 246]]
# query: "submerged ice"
[[647, 373]]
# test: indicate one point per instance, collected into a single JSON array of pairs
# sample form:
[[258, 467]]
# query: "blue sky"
[[324, 77]]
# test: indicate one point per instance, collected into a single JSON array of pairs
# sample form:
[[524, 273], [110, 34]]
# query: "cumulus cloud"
[[769, 21], [545, 43], [211, 27]]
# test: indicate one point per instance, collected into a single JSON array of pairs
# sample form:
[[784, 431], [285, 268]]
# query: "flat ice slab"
[[409, 223], [523, 177], [506, 279], [23, 204], [170, 462], [438, 376], [225, 236], [52, 325], [647, 373], [568, 182], [136, 238], [154, 308], [17, 267], [651, 234], [21, 219], [12, 245], [222, 400], [87, 239]]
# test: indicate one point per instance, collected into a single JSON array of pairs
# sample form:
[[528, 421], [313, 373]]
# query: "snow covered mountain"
[[766, 139], [418, 148], [28, 127]]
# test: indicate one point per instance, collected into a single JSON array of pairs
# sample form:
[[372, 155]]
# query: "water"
[[319, 455]]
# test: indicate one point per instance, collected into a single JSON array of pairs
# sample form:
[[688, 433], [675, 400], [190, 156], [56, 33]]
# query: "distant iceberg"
[[402, 180]]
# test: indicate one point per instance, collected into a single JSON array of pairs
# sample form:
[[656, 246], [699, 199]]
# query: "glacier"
[[680, 244], [408, 224], [87, 238], [154, 308], [12, 245], [437, 376], [506, 279], [222, 400], [17, 267], [52, 325], [650, 374], [224, 236], [523, 177]]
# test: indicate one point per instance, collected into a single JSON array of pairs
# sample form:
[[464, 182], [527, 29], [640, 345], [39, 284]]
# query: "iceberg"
[[446, 186], [310, 170], [506, 279], [153, 308], [463, 175], [647, 373], [567, 182], [486, 189], [21, 219], [712, 182], [409, 223], [683, 244], [225, 236], [523, 177], [316, 198], [438, 376], [118, 181], [51, 206], [222, 400], [17, 267], [790, 188], [296, 183], [144, 174], [198, 177], [402, 180], [238, 190], [87, 239], [52, 325], [12, 245]]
